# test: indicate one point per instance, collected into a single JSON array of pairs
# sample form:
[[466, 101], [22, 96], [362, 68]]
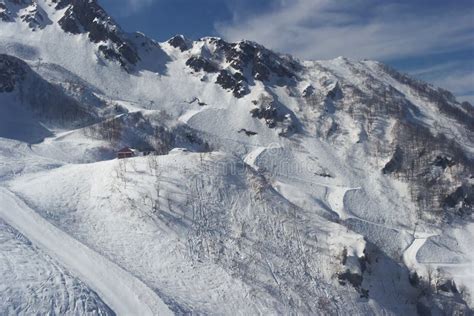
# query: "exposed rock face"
[[262, 62], [274, 116], [35, 16], [28, 11], [240, 64], [308, 92], [461, 201], [4, 13], [396, 163], [201, 64], [179, 42], [233, 82], [84, 16]]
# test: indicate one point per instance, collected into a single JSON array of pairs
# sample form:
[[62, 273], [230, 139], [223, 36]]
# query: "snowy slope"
[[34, 283], [122, 292], [307, 187], [194, 219]]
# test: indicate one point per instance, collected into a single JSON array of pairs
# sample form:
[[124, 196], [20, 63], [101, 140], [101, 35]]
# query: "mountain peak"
[[87, 16], [180, 41]]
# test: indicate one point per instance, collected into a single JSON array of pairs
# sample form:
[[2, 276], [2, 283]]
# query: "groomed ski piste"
[[123, 293], [80, 210]]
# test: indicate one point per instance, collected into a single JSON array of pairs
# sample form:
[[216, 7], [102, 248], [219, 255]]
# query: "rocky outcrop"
[[4, 13], [28, 11], [461, 200], [201, 64], [234, 82], [35, 17], [88, 17], [263, 63], [179, 41], [274, 115], [240, 64]]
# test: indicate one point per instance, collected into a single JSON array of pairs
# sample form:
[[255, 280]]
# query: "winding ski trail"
[[124, 294], [410, 254]]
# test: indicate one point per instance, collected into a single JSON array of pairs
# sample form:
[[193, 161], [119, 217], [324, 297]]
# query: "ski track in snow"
[[124, 294], [335, 199], [251, 158], [410, 254]]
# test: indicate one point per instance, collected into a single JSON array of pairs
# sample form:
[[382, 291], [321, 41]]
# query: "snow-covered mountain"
[[275, 185]]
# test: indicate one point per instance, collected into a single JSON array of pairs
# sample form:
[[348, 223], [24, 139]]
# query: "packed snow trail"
[[409, 256], [335, 198], [124, 294]]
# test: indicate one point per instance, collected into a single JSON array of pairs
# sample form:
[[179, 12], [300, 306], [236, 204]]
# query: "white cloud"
[[129, 7], [319, 29], [457, 80], [136, 5]]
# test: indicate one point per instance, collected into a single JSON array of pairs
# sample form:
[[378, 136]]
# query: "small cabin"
[[126, 152]]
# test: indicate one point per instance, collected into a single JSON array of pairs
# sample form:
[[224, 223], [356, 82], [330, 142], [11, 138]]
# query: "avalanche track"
[[125, 294]]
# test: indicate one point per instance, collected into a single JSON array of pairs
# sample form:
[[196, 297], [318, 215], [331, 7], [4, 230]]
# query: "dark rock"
[[109, 53], [200, 103], [86, 16], [267, 112], [309, 91], [264, 64], [234, 82], [335, 93], [324, 175], [35, 17], [226, 80], [396, 163], [248, 133], [448, 286], [4, 13], [462, 199], [201, 64], [414, 279], [179, 42], [354, 279], [260, 72], [364, 293], [443, 162]]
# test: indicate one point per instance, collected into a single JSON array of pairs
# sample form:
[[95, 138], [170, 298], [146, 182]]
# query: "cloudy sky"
[[430, 39]]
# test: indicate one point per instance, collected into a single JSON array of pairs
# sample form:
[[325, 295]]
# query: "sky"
[[432, 40]]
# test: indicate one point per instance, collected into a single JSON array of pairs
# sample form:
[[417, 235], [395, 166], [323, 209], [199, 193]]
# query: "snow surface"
[[260, 224], [121, 291]]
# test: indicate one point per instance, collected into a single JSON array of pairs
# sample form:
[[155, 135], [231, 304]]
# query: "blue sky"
[[430, 39]]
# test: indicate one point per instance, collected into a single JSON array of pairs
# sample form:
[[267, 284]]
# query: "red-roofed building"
[[126, 152]]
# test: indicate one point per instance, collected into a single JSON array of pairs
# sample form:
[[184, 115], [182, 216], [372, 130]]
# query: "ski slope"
[[125, 294], [276, 201]]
